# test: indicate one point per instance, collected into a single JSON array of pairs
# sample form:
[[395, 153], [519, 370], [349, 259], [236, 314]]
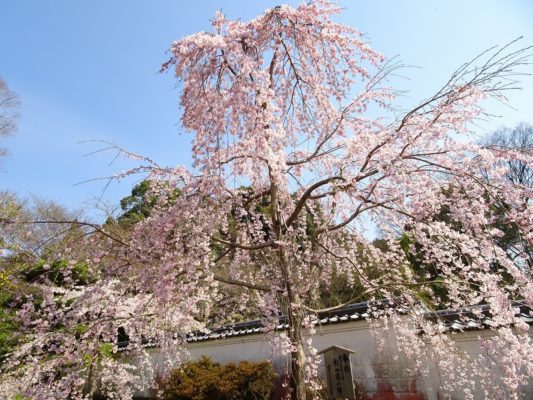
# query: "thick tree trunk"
[[294, 309], [294, 320], [297, 355]]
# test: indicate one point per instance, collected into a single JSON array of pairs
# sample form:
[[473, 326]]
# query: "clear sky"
[[89, 70]]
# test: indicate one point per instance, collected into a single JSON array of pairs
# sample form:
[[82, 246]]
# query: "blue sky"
[[88, 70]]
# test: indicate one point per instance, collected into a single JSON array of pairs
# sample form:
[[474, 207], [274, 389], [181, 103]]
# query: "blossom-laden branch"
[[291, 177]]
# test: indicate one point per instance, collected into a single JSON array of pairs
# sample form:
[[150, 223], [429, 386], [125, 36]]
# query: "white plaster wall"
[[376, 371]]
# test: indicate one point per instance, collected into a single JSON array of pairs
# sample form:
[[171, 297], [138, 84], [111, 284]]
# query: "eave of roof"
[[452, 320]]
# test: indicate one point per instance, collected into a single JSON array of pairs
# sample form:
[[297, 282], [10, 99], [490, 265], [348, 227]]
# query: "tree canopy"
[[285, 140]]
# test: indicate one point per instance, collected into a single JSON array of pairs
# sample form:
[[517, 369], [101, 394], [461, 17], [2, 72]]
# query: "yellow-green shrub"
[[209, 380]]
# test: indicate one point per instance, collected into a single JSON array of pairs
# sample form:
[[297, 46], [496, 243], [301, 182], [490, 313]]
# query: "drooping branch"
[[305, 196], [366, 292], [360, 208], [244, 246], [500, 65], [358, 211], [97, 228], [237, 282]]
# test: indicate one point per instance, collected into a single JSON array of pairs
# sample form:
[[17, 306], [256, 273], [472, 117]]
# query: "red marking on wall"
[[385, 391]]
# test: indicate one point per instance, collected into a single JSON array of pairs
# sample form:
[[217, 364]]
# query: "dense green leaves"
[[209, 380]]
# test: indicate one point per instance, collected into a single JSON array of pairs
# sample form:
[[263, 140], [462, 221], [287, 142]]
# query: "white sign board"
[[339, 372]]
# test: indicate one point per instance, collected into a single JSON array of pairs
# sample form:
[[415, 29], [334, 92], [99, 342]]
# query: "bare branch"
[[244, 246]]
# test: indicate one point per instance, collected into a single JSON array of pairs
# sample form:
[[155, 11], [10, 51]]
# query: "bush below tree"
[[206, 379]]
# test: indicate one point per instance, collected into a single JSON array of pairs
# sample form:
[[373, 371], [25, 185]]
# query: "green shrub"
[[79, 272], [209, 380]]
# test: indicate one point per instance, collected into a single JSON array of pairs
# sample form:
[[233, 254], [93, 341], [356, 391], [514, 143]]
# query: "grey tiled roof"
[[452, 320]]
